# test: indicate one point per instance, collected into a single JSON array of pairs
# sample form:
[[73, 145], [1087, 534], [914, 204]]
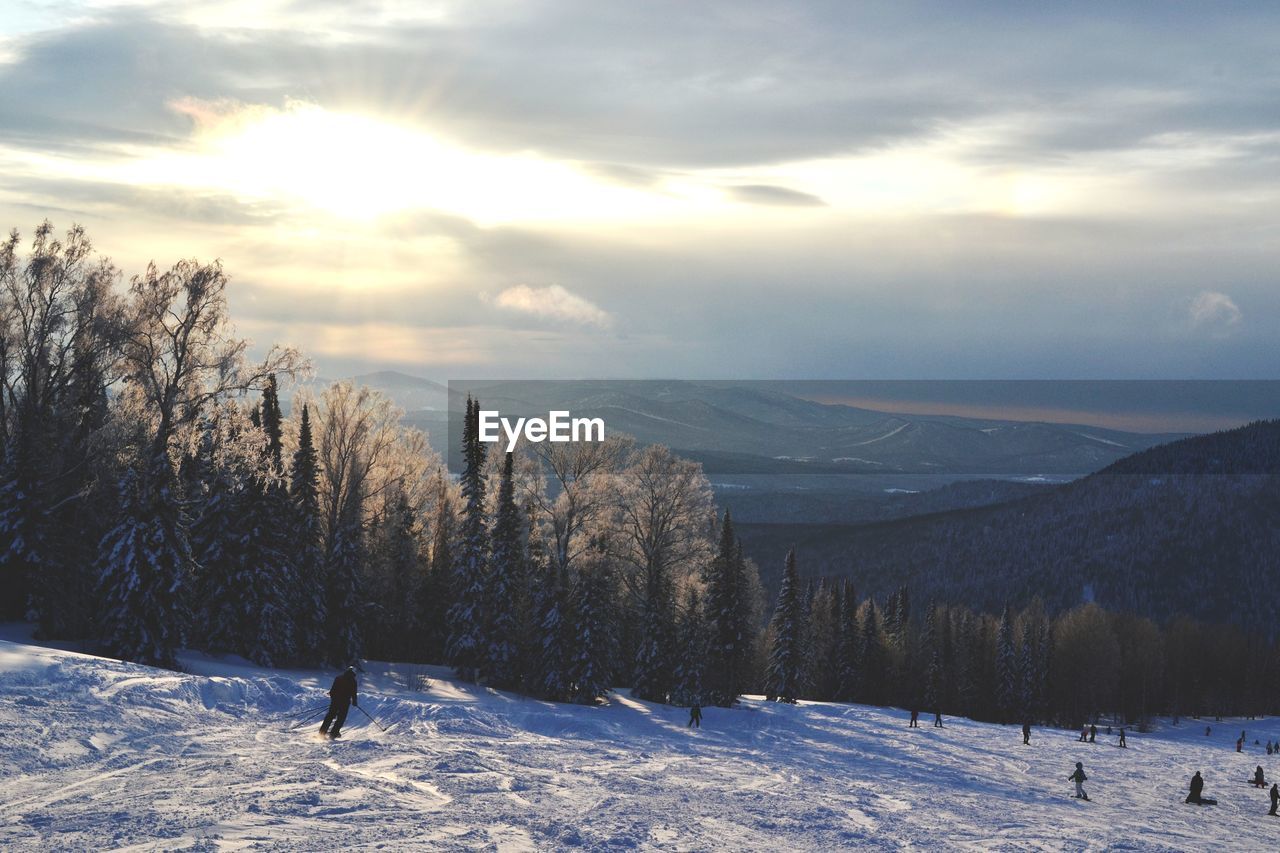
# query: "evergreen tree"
[[307, 545], [691, 659], [849, 663], [467, 649], [594, 652], [272, 422], [872, 654], [728, 609], [144, 565], [787, 664], [654, 675], [1006, 669], [932, 652], [506, 593], [556, 622], [435, 596], [343, 594]]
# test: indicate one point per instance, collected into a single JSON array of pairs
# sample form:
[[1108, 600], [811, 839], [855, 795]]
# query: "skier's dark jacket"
[[1197, 785], [344, 688]]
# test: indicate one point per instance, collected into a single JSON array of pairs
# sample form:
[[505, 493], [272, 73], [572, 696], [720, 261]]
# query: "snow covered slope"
[[98, 754]]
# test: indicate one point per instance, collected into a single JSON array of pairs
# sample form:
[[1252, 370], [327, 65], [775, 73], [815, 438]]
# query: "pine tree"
[[435, 594], [272, 422], [506, 593], [873, 656], [1006, 669], [343, 594], [593, 658], [691, 659], [849, 662], [305, 534], [654, 675], [467, 617], [555, 623], [267, 580], [729, 615], [930, 649], [787, 664], [144, 565]]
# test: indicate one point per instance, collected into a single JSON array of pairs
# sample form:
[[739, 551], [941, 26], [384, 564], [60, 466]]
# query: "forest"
[[158, 492]]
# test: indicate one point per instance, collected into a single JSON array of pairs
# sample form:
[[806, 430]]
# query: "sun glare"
[[362, 167]]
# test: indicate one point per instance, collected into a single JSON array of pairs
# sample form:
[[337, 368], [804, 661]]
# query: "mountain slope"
[[105, 755], [1189, 528]]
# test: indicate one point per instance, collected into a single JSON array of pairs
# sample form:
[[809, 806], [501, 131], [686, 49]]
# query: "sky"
[[763, 190]]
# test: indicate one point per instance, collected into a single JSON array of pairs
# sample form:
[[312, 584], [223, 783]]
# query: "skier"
[[1079, 778], [341, 695], [915, 720], [1123, 745], [1093, 734], [1206, 731], [695, 716], [937, 719], [1275, 798], [1026, 733], [1240, 745], [1084, 735], [1259, 778], [1268, 747], [1197, 786]]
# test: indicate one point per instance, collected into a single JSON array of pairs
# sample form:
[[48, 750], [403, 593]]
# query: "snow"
[[104, 755], [889, 434]]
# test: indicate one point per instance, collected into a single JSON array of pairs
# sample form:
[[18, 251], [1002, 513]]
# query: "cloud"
[[779, 196], [1214, 312], [553, 303]]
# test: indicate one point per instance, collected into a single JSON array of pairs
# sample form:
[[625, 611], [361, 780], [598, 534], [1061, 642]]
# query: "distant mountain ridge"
[[741, 427], [1191, 527]]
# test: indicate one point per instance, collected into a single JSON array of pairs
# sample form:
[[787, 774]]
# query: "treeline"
[[155, 494], [1082, 665]]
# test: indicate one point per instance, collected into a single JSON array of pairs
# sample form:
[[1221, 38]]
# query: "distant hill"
[[1191, 527]]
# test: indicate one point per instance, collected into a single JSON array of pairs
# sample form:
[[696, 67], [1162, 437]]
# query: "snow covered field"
[[100, 755]]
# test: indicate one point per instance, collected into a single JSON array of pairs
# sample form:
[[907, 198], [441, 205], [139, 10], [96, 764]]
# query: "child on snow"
[[1078, 777]]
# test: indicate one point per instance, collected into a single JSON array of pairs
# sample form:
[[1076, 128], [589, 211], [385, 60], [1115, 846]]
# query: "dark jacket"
[[344, 688], [1197, 785]]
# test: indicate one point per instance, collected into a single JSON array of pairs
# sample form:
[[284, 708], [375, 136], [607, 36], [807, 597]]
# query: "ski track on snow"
[[104, 755]]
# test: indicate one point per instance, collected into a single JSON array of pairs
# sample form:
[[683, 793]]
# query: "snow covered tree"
[[930, 648], [849, 662], [467, 651], [144, 565], [556, 624], [873, 657], [507, 587], [787, 664], [308, 552], [343, 595], [692, 660], [654, 673], [593, 658], [730, 615]]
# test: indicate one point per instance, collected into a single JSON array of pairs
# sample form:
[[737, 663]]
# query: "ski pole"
[[371, 719], [311, 718], [303, 713]]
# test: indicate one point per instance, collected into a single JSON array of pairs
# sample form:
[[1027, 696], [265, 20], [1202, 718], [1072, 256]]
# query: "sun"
[[362, 167]]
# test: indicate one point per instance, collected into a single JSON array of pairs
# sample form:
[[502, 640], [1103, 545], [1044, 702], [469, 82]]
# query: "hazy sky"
[[709, 189]]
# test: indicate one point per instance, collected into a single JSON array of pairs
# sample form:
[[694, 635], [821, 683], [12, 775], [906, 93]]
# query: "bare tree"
[[664, 516], [580, 493], [182, 353]]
